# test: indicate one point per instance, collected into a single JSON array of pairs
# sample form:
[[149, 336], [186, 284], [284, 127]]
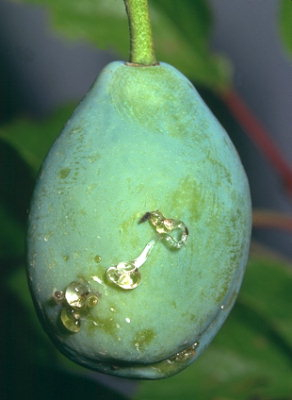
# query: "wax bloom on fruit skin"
[[121, 289]]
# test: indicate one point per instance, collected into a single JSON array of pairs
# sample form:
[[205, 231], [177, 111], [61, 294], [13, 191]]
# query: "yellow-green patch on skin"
[[107, 325], [187, 195], [143, 338]]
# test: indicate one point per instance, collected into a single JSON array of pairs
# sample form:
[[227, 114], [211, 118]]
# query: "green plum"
[[139, 227]]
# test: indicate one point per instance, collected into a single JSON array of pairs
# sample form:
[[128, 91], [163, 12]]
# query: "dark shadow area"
[[28, 364]]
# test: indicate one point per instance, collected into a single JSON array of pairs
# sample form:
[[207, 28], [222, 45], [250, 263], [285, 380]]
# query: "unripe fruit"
[[128, 298]]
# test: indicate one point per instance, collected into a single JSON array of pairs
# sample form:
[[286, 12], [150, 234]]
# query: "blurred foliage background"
[[251, 357]]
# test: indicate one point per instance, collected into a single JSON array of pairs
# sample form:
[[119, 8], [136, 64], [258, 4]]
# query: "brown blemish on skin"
[[193, 318], [75, 130], [97, 259], [176, 362], [173, 304], [64, 172]]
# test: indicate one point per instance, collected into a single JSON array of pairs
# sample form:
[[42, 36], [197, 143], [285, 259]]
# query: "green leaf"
[[44, 352], [15, 190], [30, 359], [285, 16], [251, 355], [181, 32], [267, 290], [11, 235], [33, 139]]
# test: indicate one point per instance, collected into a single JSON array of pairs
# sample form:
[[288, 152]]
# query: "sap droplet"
[[142, 258], [70, 319], [125, 275], [58, 296], [76, 294], [91, 300], [95, 278], [173, 232], [47, 236]]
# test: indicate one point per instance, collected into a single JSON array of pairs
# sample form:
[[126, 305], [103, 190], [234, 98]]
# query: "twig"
[[259, 136], [272, 220]]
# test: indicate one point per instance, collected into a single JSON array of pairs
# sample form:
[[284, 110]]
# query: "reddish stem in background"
[[272, 220], [259, 136]]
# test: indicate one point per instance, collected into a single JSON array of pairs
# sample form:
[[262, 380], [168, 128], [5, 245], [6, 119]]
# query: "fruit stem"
[[141, 42]]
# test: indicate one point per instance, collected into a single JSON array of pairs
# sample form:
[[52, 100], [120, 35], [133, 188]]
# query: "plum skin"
[[141, 140]]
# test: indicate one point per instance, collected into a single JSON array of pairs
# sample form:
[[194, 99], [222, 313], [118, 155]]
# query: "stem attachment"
[[141, 42]]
